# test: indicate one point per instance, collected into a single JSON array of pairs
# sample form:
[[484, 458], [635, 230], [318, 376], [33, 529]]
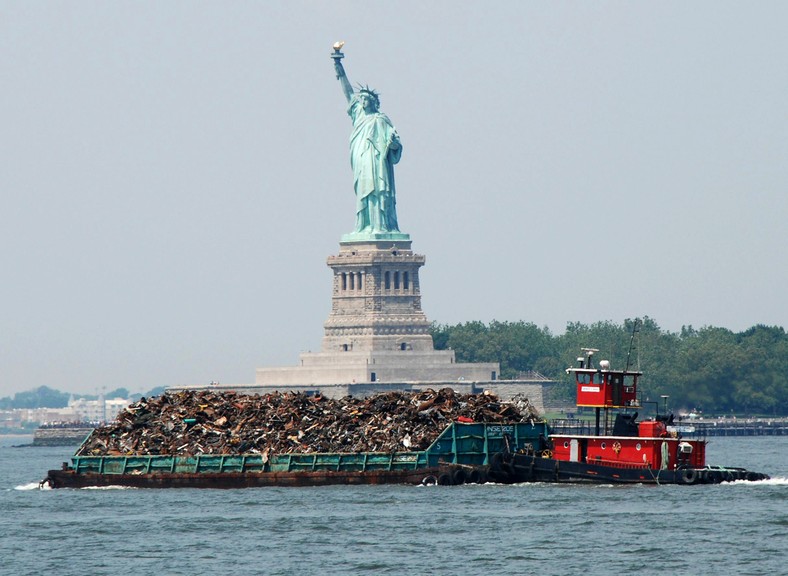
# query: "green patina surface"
[[375, 148]]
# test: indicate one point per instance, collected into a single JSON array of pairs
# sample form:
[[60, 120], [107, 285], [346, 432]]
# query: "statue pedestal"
[[376, 331], [376, 298]]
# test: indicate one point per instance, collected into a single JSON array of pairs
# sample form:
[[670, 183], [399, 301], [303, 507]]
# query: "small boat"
[[62, 434], [647, 452]]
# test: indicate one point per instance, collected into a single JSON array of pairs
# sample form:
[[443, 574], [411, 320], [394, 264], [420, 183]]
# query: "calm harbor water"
[[739, 528]]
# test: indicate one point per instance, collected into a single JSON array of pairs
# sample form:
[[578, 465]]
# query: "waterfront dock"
[[694, 428]]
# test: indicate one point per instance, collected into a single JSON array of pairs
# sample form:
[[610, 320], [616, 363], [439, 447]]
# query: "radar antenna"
[[589, 352], [632, 345]]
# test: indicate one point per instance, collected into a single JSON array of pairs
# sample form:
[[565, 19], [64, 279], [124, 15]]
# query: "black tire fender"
[[444, 479], [689, 476], [477, 476]]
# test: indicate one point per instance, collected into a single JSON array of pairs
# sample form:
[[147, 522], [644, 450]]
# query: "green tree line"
[[710, 369]]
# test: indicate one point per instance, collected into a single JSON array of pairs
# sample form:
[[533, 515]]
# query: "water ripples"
[[490, 529]]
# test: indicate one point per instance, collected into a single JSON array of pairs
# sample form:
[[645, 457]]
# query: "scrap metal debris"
[[208, 422]]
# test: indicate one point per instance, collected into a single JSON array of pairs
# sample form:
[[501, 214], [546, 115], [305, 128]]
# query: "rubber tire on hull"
[[477, 476], [444, 479], [689, 476]]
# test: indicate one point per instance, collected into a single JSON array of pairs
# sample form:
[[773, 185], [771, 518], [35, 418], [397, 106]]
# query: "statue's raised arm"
[[341, 76]]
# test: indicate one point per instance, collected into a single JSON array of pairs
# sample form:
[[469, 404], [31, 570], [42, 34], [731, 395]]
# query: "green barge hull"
[[461, 453]]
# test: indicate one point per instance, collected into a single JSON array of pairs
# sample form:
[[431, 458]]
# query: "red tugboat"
[[648, 452]]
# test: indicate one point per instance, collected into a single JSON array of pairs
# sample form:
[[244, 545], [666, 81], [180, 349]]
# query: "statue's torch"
[[341, 76]]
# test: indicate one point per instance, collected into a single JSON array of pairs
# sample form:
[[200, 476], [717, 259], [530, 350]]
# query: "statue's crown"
[[371, 92]]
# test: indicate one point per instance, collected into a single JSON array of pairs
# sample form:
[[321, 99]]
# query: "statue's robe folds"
[[373, 162]]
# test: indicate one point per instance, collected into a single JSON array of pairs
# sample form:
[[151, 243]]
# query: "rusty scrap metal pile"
[[208, 422]]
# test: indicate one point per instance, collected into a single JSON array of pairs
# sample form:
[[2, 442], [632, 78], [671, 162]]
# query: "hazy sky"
[[175, 174]]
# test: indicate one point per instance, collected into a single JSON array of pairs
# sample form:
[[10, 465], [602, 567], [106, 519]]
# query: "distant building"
[[19, 417], [78, 410], [101, 410]]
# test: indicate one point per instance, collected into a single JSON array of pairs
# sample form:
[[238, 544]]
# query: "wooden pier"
[[744, 427], [692, 428]]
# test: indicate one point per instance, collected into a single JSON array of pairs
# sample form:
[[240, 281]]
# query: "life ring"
[[429, 481], [547, 453], [616, 446], [689, 475]]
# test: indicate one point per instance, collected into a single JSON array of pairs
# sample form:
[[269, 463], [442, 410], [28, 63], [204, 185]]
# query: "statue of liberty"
[[374, 149]]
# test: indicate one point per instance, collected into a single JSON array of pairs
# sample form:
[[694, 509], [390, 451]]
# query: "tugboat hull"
[[516, 468]]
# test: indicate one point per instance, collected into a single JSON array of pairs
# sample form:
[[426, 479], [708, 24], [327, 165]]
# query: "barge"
[[620, 450], [462, 453]]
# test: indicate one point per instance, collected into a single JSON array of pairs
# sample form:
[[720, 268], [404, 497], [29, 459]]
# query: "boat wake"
[[778, 481], [32, 486], [46, 486]]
